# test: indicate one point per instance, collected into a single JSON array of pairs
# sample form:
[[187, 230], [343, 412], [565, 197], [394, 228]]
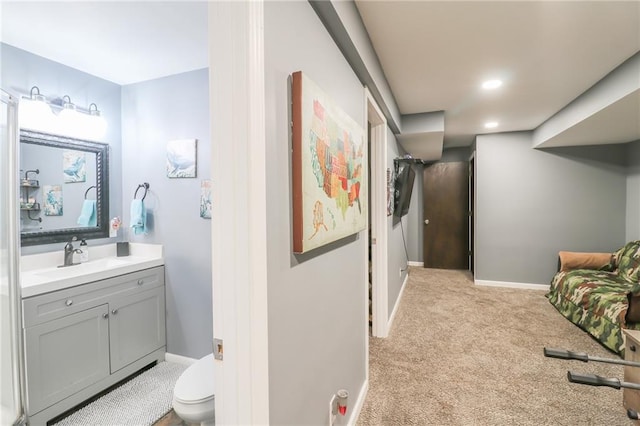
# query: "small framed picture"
[[181, 158], [205, 199], [74, 166], [52, 200]]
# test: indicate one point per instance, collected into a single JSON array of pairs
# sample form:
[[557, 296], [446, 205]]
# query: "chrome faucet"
[[69, 251]]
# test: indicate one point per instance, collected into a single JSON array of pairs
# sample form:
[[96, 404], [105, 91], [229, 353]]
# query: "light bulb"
[[97, 125], [35, 114], [70, 123]]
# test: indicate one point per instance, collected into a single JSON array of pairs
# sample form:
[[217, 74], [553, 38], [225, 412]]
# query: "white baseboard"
[[525, 286], [357, 407], [395, 307], [179, 359], [412, 263]]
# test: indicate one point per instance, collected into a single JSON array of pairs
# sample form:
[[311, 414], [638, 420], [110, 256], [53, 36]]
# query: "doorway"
[[446, 225], [376, 256]]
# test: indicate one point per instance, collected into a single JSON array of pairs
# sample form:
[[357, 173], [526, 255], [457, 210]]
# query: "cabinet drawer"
[[50, 306]]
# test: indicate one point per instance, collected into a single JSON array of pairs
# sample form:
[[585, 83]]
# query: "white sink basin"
[[83, 268], [109, 262], [49, 277]]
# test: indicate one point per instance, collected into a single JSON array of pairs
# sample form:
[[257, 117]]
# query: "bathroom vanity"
[[89, 326]]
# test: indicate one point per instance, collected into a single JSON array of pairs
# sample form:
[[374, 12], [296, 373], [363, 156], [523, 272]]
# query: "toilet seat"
[[193, 402], [195, 385]]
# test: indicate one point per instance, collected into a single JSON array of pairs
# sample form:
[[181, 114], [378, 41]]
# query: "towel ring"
[[146, 188], [87, 191]]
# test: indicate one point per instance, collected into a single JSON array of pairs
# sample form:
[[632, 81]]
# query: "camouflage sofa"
[[601, 295]]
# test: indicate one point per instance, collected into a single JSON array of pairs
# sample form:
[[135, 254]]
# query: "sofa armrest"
[[633, 308], [569, 260]]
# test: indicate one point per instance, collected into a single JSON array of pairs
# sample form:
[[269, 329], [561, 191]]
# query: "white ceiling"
[[123, 42], [434, 54]]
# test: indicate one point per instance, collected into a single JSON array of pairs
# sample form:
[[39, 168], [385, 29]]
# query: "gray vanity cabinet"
[[83, 339], [136, 326], [66, 355]]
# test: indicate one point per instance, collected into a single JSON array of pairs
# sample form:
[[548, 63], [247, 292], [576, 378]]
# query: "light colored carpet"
[[460, 354], [139, 402]]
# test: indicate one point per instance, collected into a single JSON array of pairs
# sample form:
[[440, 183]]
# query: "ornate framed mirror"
[[64, 188]]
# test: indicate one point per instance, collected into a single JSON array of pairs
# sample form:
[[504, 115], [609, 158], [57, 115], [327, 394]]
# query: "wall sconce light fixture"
[[61, 116]]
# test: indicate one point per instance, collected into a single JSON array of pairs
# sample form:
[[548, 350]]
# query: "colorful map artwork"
[[336, 160], [329, 169]]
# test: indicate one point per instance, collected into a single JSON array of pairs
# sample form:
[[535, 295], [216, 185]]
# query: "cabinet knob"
[[105, 315], [69, 302], [114, 311], [140, 282]]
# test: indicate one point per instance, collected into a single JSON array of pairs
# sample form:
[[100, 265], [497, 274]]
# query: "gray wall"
[[412, 222], [530, 204], [633, 192], [153, 113], [397, 258], [317, 301], [20, 70], [454, 155], [415, 219]]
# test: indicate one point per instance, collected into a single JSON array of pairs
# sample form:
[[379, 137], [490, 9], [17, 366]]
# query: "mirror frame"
[[101, 151]]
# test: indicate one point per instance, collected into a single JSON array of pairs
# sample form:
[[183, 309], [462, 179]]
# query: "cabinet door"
[[136, 326], [66, 355]]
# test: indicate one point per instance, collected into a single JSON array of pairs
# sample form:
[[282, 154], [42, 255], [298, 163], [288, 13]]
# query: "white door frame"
[[239, 227], [472, 208], [379, 228]]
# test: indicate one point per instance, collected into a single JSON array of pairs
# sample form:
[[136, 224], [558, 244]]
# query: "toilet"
[[193, 399]]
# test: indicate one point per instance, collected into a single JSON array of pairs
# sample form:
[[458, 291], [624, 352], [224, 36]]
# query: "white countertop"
[[39, 273]]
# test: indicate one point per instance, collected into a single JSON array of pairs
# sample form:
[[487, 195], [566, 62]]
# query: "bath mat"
[[139, 402]]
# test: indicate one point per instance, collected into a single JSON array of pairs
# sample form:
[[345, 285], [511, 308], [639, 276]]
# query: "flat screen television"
[[402, 189]]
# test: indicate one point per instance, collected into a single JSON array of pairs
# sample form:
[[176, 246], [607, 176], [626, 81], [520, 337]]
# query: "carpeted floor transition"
[[457, 354], [460, 354]]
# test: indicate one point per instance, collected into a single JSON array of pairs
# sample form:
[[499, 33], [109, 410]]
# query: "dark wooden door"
[[446, 225]]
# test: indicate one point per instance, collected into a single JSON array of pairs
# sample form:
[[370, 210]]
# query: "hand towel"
[[88, 216], [138, 217]]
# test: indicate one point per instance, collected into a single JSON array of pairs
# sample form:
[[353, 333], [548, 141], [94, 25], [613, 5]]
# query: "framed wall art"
[[329, 168], [205, 199], [74, 166], [181, 158], [52, 200]]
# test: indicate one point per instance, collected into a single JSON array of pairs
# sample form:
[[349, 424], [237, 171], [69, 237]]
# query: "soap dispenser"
[[84, 256]]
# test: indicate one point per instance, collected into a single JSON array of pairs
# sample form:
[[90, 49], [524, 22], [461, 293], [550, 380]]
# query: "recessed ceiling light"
[[491, 124], [491, 84]]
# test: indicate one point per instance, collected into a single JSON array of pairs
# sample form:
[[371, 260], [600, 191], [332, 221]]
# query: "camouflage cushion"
[[596, 301], [629, 262]]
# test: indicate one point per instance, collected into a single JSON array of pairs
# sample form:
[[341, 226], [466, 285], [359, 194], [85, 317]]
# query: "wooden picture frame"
[[329, 169]]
